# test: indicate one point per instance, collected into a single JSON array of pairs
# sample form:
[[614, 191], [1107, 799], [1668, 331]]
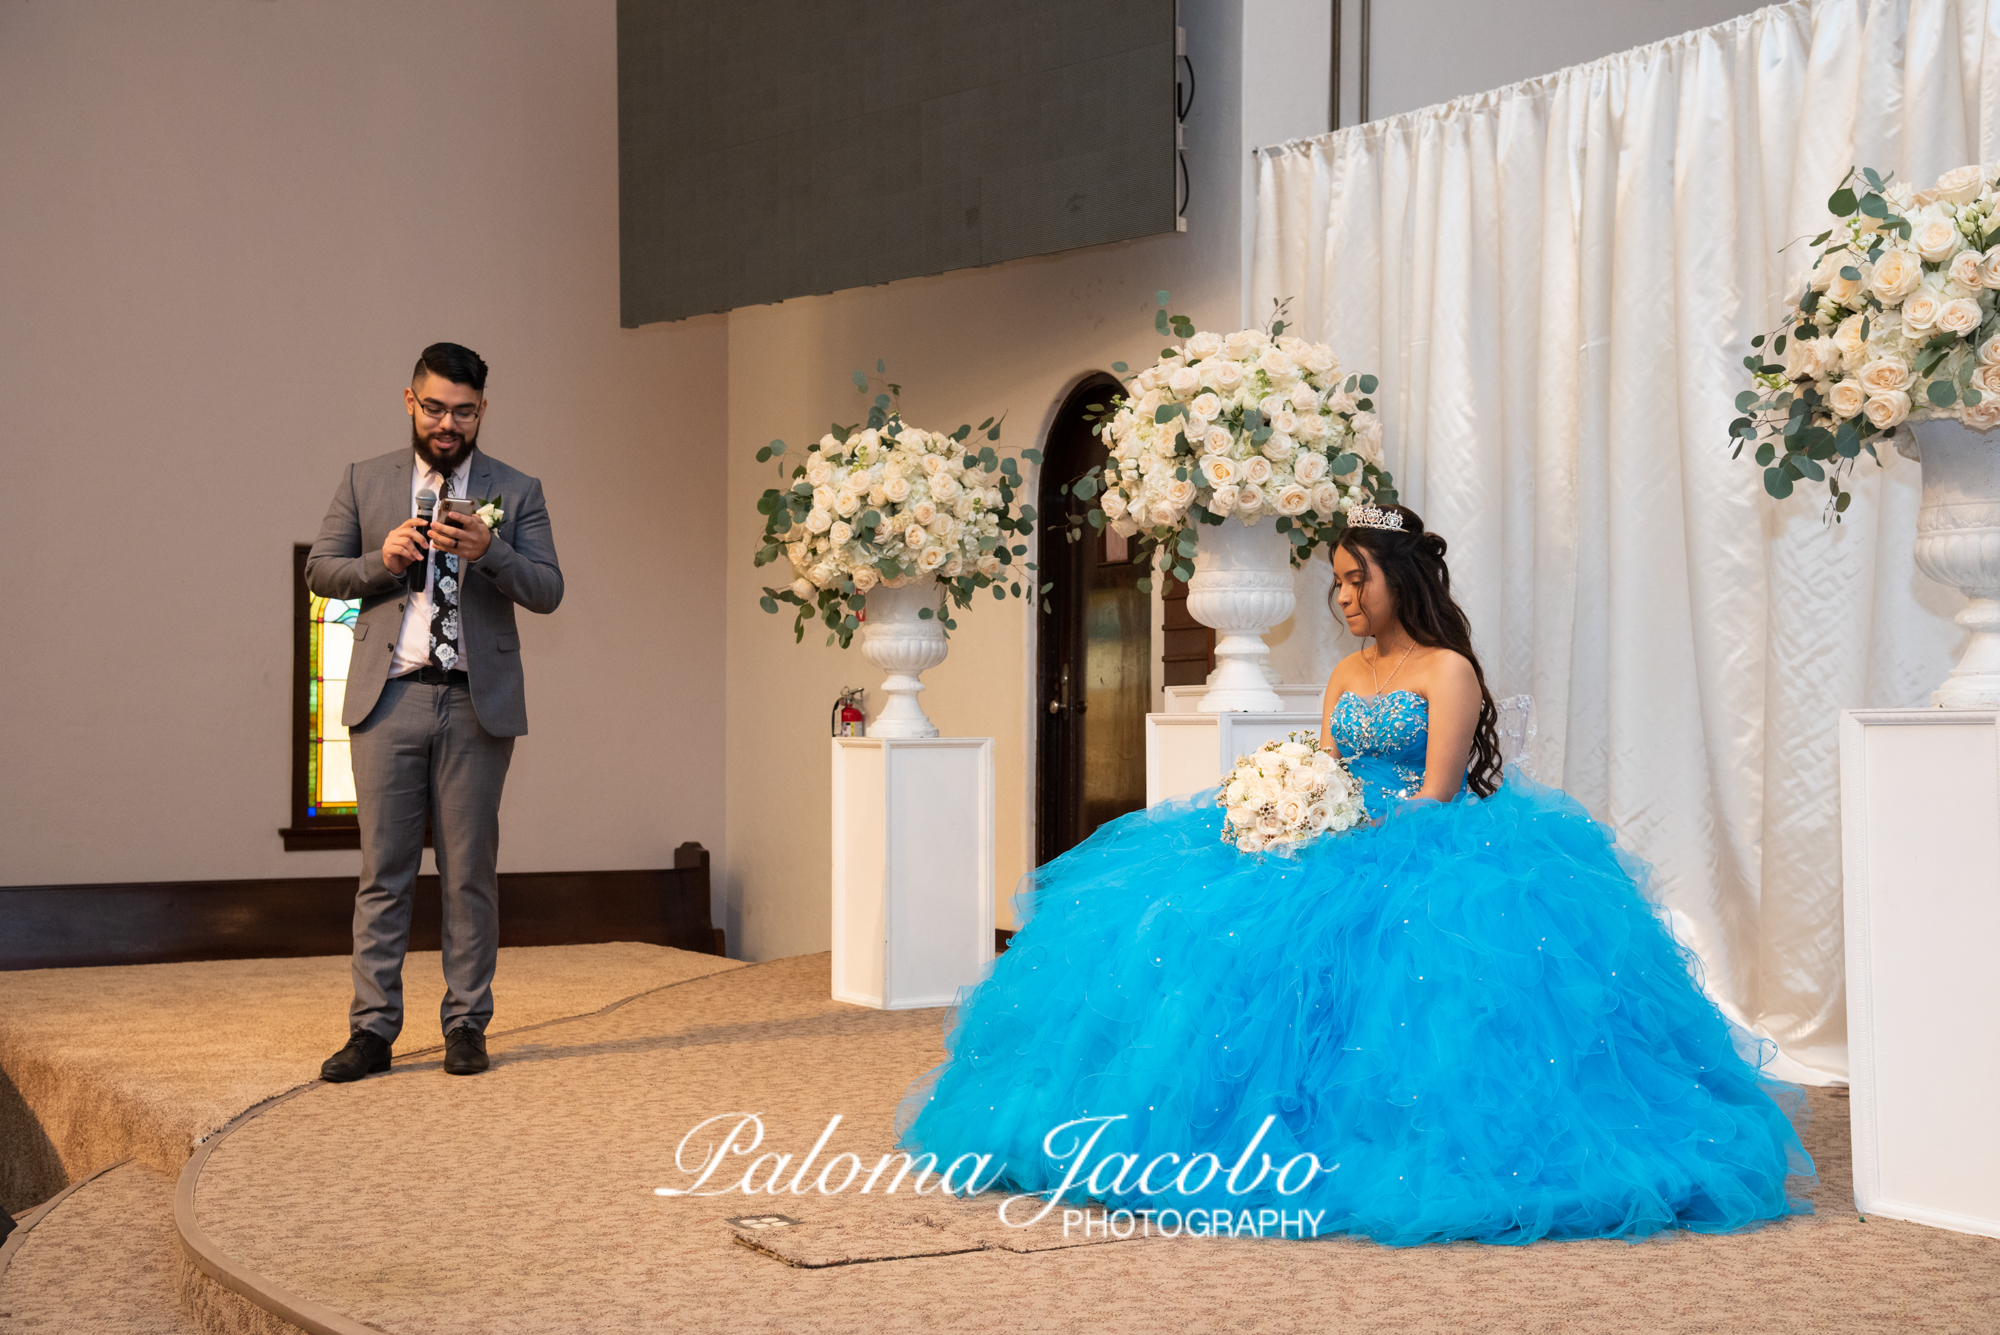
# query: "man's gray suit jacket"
[[519, 567]]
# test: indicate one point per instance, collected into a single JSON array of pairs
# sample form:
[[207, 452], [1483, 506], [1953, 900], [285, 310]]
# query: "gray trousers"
[[422, 752]]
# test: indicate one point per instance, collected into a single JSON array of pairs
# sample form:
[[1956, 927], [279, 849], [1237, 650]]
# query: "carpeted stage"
[[523, 1200]]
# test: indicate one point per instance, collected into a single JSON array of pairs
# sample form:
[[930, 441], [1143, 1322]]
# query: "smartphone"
[[459, 505]]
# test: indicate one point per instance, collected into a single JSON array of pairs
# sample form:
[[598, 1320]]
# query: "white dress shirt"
[[412, 649]]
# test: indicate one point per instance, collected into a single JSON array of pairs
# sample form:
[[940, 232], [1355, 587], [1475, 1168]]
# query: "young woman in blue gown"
[[1465, 1010]]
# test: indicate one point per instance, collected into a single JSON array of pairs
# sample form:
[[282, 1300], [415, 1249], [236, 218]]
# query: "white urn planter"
[[1958, 543], [1242, 587], [904, 645]]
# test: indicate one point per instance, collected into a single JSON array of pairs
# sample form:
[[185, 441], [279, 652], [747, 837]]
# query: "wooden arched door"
[[1094, 657]]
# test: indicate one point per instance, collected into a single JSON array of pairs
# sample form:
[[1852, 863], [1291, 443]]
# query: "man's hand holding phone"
[[457, 529]]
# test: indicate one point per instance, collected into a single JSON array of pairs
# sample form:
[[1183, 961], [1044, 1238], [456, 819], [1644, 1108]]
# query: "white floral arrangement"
[[488, 509], [1251, 424], [1285, 793], [891, 504], [1895, 323]]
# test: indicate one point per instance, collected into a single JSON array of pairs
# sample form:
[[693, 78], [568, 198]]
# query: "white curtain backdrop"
[[1557, 283]]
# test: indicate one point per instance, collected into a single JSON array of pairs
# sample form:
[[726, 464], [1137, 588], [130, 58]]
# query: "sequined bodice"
[[1392, 728]]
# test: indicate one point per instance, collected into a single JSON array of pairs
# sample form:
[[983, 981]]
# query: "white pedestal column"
[[912, 869], [1920, 839], [1186, 753]]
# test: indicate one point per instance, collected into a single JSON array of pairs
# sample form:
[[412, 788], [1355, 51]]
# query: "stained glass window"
[[329, 775], [323, 810]]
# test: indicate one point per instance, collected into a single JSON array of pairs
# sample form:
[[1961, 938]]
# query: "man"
[[434, 697]]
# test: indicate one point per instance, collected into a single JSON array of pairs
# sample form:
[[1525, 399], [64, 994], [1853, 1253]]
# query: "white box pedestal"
[[1920, 843], [1186, 753], [912, 869]]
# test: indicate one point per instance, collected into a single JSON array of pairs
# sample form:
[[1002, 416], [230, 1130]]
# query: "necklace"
[[1375, 703]]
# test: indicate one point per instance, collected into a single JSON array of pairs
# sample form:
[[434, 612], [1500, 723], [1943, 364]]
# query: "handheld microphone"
[[419, 571]]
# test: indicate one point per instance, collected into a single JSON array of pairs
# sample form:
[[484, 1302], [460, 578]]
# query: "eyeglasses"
[[465, 414]]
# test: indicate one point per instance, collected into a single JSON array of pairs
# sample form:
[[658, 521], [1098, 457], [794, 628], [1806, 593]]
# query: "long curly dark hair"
[[1412, 562]]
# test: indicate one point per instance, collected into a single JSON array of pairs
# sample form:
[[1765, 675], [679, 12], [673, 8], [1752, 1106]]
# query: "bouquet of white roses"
[[1896, 322], [888, 503], [1248, 424], [1284, 793]]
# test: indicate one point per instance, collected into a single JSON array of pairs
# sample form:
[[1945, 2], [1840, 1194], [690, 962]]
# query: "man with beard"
[[434, 697]]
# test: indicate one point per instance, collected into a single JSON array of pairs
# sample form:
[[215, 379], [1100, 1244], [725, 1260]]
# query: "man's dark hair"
[[453, 362]]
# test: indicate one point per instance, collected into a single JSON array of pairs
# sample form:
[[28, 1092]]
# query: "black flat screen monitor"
[[771, 149]]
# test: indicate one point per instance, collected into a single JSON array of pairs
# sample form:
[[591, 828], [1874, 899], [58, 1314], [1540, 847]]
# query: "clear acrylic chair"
[[1517, 733]]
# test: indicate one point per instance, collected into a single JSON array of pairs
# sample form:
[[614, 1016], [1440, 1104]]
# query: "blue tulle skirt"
[[1470, 1017]]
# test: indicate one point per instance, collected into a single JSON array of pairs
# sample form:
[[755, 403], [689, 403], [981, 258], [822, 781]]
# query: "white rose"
[[1806, 359], [1291, 811], [913, 537], [943, 526], [1217, 440], [1989, 268], [1989, 352], [1269, 406], [1310, 468], [966, 506], [840, 534], [1981, 416], [989, 565], [1368, 435], [1935, 237], [1285, 422], [1206, 407], [866, 578], [1886, 375], [1280, 446], [803, 587], [822, 574], [944, 487], [1887, 410], [1239, 344], [1113, 504], [1319, 359], [1920, 310], [1902, 196], [1292, 500], [1204, 344], [1960, 185], [1960, 316], [1846, 398], [1249, 498], [1303, 398], [1894, 276], [924, 511], [1987, 380], [819, 521], [819, 472], [896, 488], [1274, 363], [1326, 499], [930, 558], [1228, 377], [1223, 502], [1257, 470], [1180, 493], [1313, 427], [1184, 382], [1848, 339], [1965, 270]]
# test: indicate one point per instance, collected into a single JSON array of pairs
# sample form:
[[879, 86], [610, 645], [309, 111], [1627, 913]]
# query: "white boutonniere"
[[489, 510]]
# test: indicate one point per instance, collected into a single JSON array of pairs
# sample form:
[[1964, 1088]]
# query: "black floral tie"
[[444, 597]]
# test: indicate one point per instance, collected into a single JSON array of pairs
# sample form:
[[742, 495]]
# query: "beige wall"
[[228, 228]]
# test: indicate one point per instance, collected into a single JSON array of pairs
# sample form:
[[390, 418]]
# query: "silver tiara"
[[1374, 516]]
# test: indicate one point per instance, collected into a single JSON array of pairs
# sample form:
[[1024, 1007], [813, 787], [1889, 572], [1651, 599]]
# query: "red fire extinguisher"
[[848, 720]]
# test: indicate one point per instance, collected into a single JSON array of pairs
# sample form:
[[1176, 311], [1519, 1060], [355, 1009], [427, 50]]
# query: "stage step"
[[103, 1257]]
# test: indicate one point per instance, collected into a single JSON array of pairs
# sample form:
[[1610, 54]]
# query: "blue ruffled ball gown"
[[1469, 1014]]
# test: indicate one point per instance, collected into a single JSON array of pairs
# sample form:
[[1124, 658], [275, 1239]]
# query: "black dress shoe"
[[464, 1051], [365, 1054]]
